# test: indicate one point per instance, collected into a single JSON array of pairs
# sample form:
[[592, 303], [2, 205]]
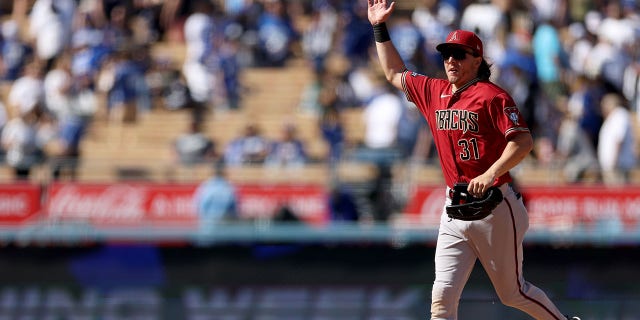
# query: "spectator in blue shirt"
[[332, 129], [215, 199], [14, 52], [550, 59], [276, 34], [356, 37], [289, 151], [250, 148], [230, 65]]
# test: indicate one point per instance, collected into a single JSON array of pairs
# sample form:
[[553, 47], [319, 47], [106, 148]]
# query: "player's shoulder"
[[490, 87], [414, 74], [492, 90], [417, 77]]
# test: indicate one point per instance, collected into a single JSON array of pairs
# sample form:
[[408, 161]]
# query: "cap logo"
[[454, 37]]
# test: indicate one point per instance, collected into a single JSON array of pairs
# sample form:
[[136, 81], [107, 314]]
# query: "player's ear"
[[477, 61]]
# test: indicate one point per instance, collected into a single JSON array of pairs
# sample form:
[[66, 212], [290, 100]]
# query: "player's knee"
[[512, 298], [526, 298], [442, 292]]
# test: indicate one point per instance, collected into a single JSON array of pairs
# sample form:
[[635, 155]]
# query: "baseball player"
[[480, 135]]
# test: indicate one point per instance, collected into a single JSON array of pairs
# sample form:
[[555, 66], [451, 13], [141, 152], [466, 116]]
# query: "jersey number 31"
[[469, 149]]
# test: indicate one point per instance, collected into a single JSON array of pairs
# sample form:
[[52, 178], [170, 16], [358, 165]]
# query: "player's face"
[[460, 65]]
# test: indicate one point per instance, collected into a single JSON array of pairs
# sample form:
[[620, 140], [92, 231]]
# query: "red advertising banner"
[[19, 203], [590, 206], [555, 208], [310, 203], [171, 204]]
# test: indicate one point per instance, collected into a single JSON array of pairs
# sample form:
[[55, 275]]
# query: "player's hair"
[[484, 71]]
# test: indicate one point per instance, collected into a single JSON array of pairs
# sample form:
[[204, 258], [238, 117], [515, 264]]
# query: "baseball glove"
[[468, 208]]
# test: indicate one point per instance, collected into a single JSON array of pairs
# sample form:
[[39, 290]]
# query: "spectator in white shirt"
[[616, 143], [19, 139], [27, 92], [50, 26]]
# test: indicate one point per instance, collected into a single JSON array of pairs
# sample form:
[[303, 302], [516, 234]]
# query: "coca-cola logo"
[[113, 202]]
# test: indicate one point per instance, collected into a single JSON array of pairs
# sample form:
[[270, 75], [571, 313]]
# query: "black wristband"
[[380, 32]]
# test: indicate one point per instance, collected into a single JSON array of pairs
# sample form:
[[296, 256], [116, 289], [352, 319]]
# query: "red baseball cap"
[[463, 38]]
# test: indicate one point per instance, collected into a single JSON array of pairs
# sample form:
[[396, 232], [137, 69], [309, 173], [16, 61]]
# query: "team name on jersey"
[[453, 119]]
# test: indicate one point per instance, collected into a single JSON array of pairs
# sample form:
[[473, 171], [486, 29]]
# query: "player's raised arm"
[[390, 60]]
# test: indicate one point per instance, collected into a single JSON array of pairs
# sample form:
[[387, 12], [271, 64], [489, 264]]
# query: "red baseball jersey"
[[471, 128]]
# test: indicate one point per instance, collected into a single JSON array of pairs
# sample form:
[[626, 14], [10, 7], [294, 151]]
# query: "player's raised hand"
[[379, 11]]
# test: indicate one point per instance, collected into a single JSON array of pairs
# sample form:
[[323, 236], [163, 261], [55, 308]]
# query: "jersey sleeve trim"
[[404, 85], [516, 130]]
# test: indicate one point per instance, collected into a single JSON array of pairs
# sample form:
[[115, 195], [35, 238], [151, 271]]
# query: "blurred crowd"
[[571, 65]]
